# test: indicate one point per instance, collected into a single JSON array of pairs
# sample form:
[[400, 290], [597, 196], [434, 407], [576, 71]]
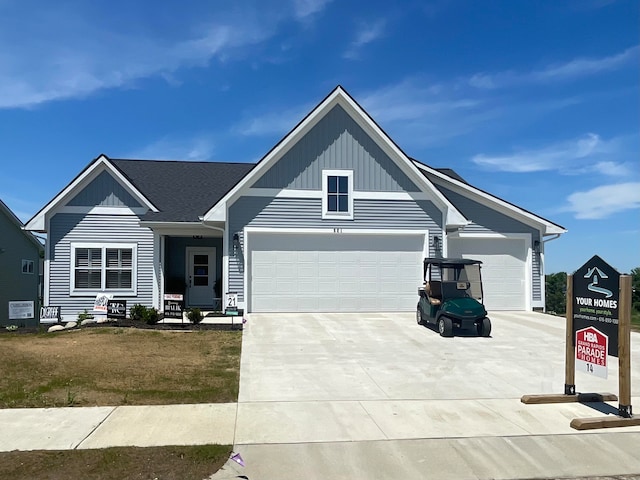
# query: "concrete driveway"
[[377, 396]]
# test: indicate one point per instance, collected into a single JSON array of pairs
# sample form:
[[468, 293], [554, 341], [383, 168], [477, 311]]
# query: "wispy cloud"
[[586, 154], [604, 201], [306, 8], [274, 122], [80, 56], [573, 69], [199, 147], [367, 33]]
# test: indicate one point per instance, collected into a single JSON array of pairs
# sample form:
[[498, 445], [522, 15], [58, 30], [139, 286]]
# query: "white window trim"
[[133, 291], [348, 215], [28, 262]]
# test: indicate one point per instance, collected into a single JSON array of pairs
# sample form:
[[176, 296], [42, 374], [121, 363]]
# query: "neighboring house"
[[334, 218], [20, 254]]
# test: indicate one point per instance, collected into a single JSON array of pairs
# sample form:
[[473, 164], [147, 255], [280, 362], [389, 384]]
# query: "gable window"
[[103, 268], [337, 194], [27, 266]]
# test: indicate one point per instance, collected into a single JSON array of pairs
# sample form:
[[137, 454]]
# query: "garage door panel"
[[503, 269], [334, 272]]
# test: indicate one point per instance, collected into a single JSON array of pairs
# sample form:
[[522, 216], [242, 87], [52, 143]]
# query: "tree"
[[556, 293], [635, 288]]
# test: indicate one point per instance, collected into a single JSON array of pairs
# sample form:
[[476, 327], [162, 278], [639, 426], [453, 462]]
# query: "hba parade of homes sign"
[[591, 352], [596, 294]]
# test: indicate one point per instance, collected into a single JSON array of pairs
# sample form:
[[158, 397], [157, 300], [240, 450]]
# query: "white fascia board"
[[317, 194], [217, 214], [340, 97], [491, 201], [183, 228], [331, 231], [274, 155], [453, 216], [102, 163]]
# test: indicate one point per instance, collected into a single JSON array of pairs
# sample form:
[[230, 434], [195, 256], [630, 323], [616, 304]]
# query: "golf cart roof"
[[451, 262]]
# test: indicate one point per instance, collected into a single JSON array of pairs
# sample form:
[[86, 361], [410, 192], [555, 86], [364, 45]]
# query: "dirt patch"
[[100, 366]]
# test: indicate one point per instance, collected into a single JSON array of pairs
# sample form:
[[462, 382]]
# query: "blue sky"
[[535, 102]]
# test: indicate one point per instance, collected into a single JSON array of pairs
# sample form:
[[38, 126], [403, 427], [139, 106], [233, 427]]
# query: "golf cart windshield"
[[456, 279]]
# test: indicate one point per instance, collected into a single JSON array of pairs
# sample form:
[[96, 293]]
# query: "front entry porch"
[[192, 267]]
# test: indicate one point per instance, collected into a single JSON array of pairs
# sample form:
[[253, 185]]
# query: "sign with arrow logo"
[[596, 293]]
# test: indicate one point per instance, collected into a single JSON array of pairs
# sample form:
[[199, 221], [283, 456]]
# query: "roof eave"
[[38, 222], [547, 227]]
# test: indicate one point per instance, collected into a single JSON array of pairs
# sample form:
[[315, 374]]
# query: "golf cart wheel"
[[419, 316], [484, 327], [445, 327]]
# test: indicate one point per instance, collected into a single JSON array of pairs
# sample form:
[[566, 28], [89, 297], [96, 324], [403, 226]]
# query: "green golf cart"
[[452, 296]]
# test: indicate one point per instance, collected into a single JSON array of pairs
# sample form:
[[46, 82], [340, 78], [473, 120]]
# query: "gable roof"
[[181, 191], [339, 97], [447, 178], [89, 173], [16, 221]]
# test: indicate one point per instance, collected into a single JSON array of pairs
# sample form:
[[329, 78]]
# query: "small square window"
[[337, 196], [27, 266]]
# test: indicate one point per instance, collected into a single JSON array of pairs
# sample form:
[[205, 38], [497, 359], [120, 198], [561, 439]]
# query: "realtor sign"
[[591, 352], [173, 305], [596, 294]]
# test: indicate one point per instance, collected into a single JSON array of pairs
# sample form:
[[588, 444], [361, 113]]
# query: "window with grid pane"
[[118, 268], [337, 193], [88, 268], [99, 268]]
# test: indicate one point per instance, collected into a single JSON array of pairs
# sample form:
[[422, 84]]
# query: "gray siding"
[[15, 285], [486, 220], [66, 228], [336, 142], [307, 213], [104, 191]]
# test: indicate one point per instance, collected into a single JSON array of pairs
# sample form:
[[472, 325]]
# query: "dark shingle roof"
[[181, 191]]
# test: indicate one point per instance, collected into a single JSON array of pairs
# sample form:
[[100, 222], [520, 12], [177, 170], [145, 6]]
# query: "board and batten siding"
[[104, 191], [336, 142], [67, 228], [486, 220], [15, 246], [307, 213]]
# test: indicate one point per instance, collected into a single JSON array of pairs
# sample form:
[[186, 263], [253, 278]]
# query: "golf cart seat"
[[433, 293]]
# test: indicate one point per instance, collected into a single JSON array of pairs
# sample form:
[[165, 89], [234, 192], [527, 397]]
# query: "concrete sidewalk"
[[101, 427]]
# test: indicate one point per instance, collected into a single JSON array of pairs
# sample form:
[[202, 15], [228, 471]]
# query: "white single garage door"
[[503, 269], [334, 272]]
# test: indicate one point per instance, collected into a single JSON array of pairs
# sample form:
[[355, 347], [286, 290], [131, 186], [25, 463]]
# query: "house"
[[335, 217], [20, 255]]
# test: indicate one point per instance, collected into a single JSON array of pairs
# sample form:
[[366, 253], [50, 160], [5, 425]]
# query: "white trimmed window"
[[337, 194], [103, 268], [27, 266]]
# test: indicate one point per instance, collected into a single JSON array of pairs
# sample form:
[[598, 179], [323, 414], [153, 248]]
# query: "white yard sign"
[[20, 310]]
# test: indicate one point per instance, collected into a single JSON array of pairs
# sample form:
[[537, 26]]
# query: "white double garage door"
[[354, 272]]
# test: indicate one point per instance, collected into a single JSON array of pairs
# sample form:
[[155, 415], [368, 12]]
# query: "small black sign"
[[173, 306], [50, 313], [117, 309], [596, 295]]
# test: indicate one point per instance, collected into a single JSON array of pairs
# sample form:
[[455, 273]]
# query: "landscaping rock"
[[70, 325], [55, 328], [87, 321]]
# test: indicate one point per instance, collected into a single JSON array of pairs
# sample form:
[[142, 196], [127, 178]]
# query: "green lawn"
[[118, 366]]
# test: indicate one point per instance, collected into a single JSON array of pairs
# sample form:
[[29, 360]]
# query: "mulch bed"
[[127, 323]]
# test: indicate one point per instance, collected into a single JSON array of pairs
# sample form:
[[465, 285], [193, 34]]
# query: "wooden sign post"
[[625, 417], [598, 325]]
